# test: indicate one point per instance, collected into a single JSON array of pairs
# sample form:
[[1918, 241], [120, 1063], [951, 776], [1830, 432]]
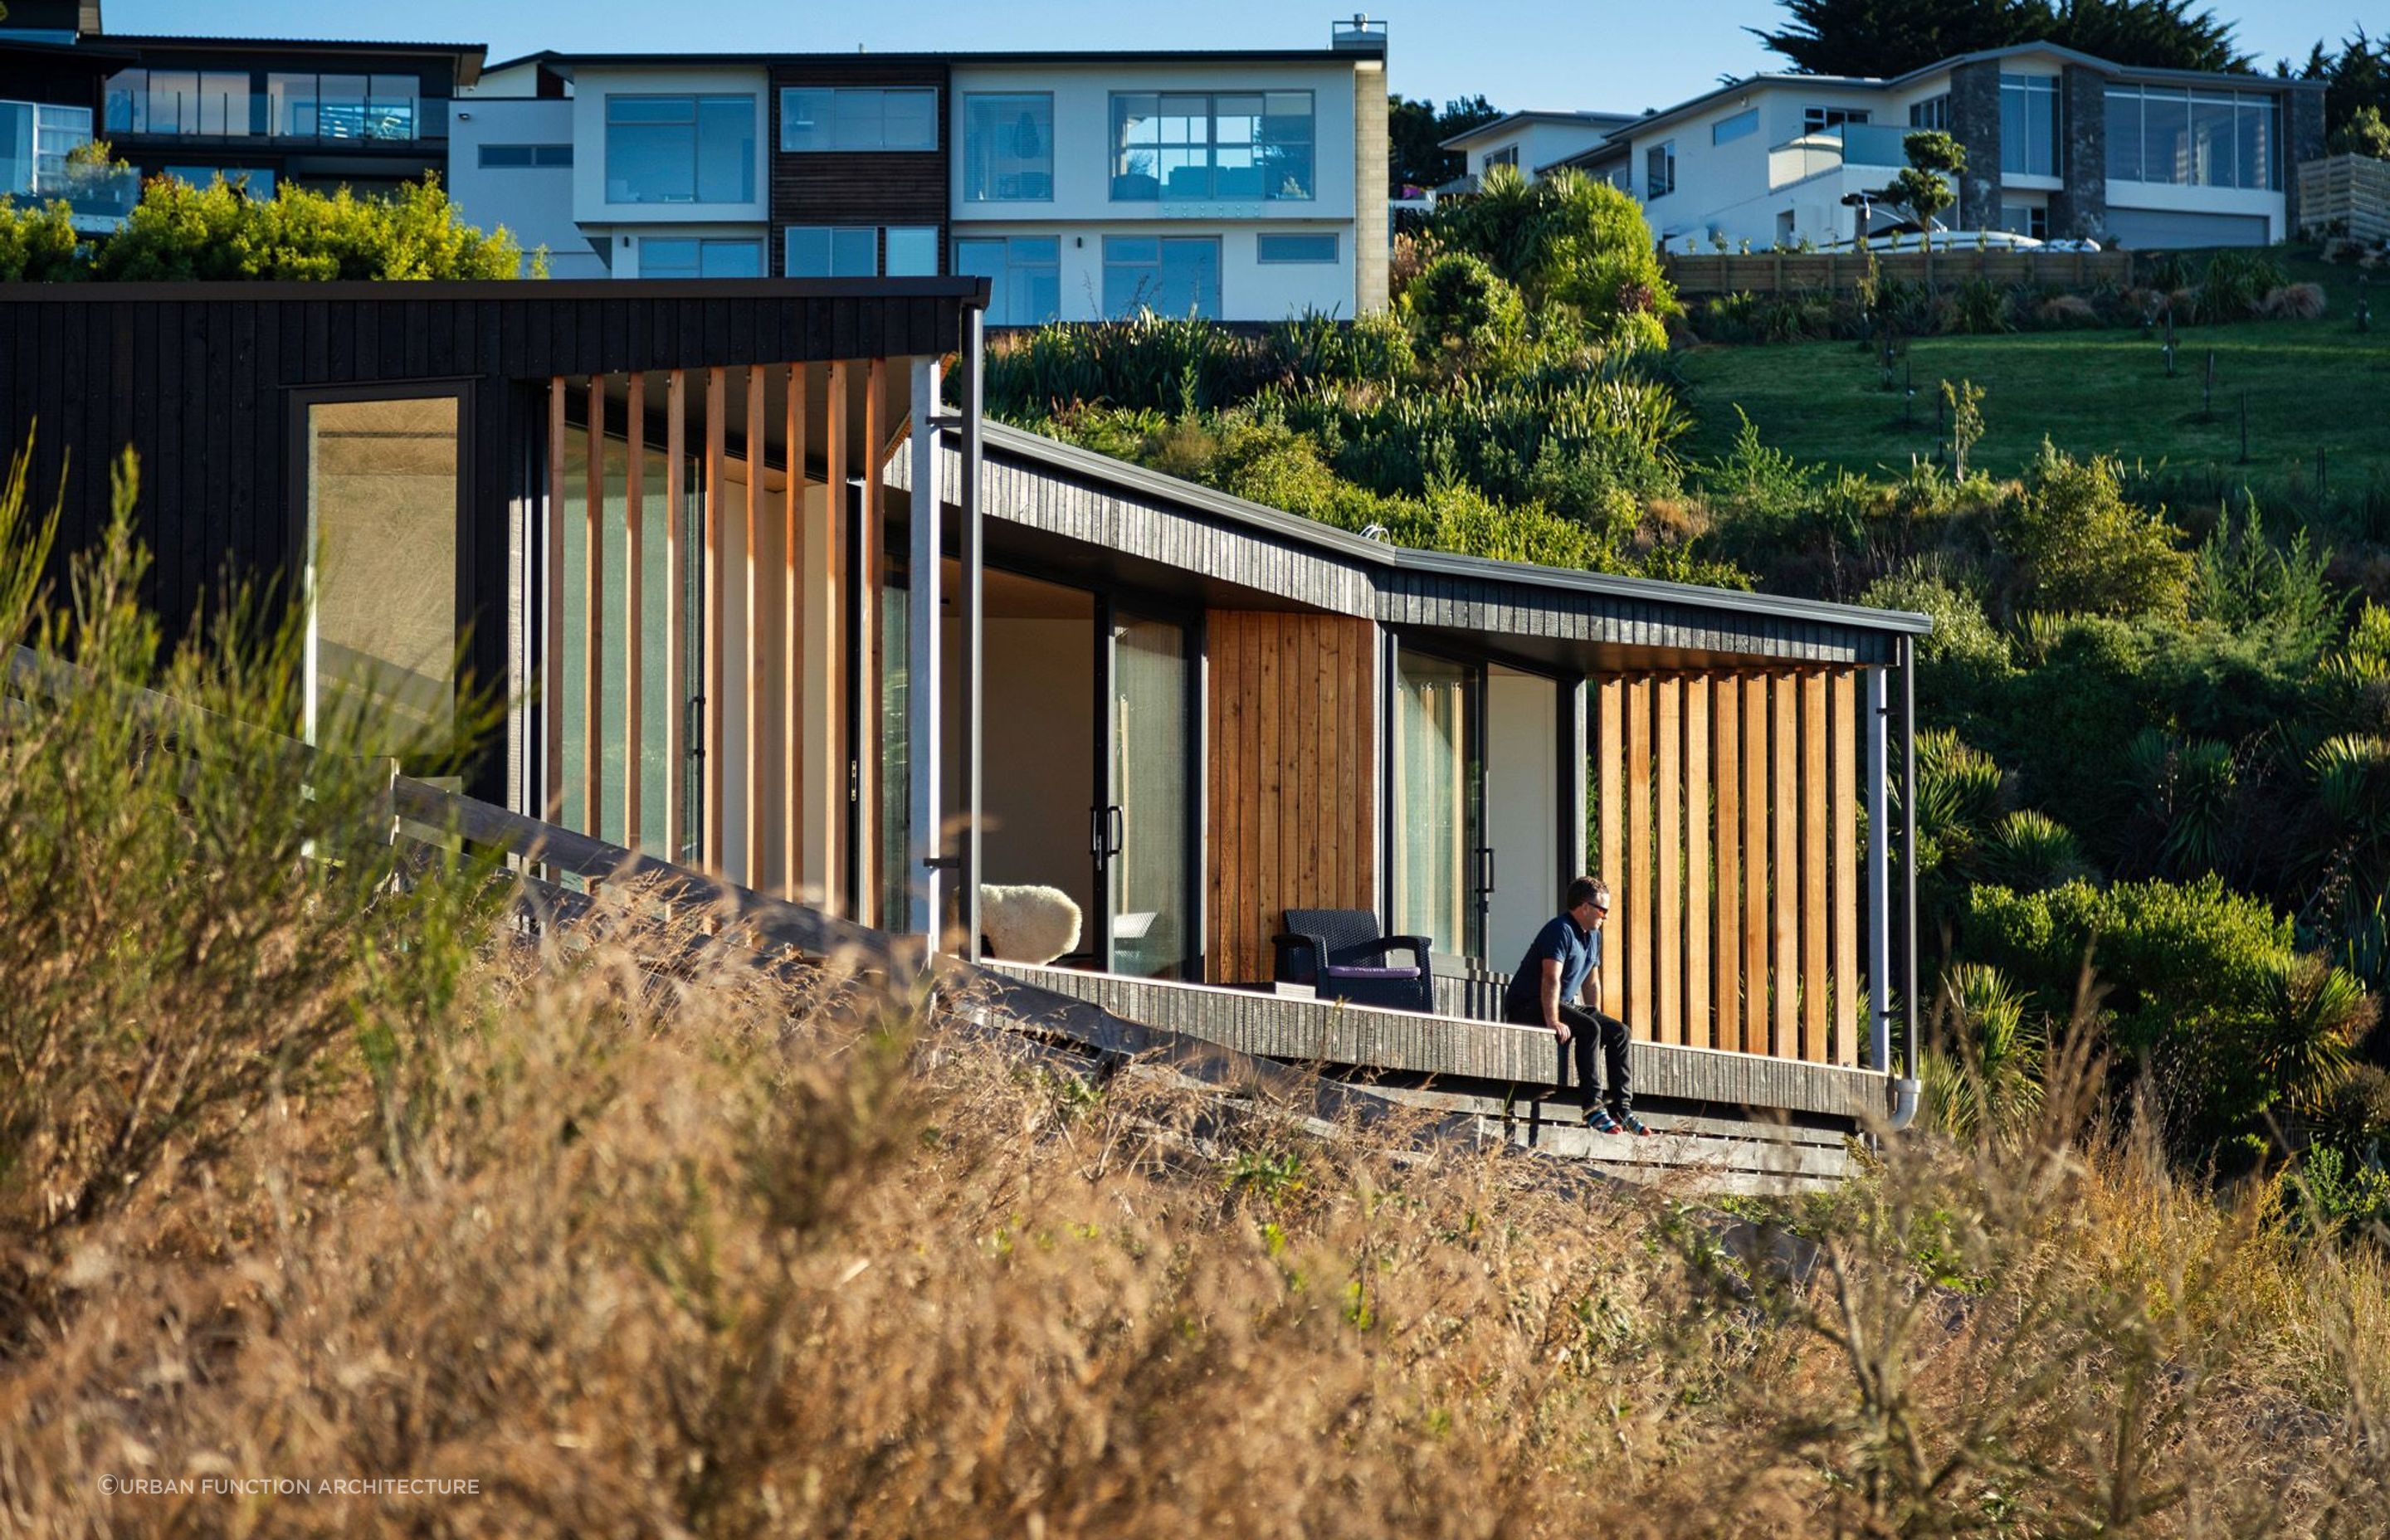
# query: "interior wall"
[[1292, 793], [1038, 754], [1523, 809]]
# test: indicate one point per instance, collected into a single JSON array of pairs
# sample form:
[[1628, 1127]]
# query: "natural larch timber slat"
[[593, 613], [792, 716], [1757, 856], [1639, 928], [1844, 791], [829, 630], [1669, 911], [756, 636], [1815, 794], [716, 781], [1699, 1027], [1609, 786], [872, 560], [552, 683], [635, 516], [1784, 865], [1727, 776], [675, 700]]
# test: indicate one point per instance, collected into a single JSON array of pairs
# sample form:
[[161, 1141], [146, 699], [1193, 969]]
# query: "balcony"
[[1874, 146], [37, 166], [278, 117]]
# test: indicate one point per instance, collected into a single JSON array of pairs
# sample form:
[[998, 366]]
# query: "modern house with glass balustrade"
[[1244, 185], [264, 111], [2060, 145]]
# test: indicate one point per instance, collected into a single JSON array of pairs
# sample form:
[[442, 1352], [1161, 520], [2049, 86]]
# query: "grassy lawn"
[[2311, 385]]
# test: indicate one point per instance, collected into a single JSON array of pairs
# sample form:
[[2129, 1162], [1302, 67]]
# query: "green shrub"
[[2236, 282], [2328, 1193], [182, 234], [2030, 851], [1461, 303], [39, 245], [1983, 1078], [2206, 990], [2281, 597], [2084, 548], [1962, 635]]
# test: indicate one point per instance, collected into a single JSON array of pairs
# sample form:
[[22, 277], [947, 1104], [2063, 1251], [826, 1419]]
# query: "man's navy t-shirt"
[[1576, 952]]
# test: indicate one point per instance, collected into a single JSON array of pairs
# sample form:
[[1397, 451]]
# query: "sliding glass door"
[[1439, 859], [1142, 836]]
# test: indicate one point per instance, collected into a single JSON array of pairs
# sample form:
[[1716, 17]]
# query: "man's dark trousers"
[[1587, 1030]]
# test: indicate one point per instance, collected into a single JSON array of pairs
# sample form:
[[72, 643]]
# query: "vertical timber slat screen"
[[593, 610], [552, 663], [1610, 710], [1726, 808], [1636, 899], [754, 644], [1291, 807], [634, 514], [675, 621], [792, 551], [1668, 849], [714, 780]]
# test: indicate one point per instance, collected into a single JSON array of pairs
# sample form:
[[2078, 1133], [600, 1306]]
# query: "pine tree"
[[1891, 37]]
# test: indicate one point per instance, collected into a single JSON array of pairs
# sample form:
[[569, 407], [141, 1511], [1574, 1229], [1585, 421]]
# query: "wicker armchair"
[[1341, 953]]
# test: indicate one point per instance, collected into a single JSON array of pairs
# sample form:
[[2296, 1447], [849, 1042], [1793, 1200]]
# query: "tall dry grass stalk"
[[641, 1238]]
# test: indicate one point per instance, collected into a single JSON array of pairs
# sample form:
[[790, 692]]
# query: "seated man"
[[1564, 960]]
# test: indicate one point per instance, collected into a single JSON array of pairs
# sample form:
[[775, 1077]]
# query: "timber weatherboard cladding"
[[1291, 812]]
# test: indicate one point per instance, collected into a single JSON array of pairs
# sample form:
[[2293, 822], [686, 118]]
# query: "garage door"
[[2158, 229]]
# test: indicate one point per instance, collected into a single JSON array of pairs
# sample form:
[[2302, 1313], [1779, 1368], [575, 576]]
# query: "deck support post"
[[1879, 876], [1909, 854], [973, 553], [925, 883]]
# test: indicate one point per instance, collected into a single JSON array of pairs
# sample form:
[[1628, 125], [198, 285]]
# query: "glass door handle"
[[1116, 826], [1485, 869]]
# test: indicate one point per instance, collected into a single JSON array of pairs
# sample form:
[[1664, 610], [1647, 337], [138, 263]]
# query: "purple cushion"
[[1343, 972]]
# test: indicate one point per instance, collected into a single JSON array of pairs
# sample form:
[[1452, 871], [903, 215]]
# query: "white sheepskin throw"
[[1028, 924]]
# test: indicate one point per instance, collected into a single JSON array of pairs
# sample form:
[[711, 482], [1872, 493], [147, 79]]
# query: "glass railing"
[[91, 192], [1842, 145], [260, 115]]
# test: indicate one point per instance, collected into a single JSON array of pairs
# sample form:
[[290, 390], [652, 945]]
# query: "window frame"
[[299, 527], [537, 157], [1656, 157], [696, 122], [1121, 149], [971, 160], [1817, 120], [1734, 126], [999, 299], [1261, 239], [1161, 259], [2029, 90], [830, 235], [838, 118], [702, 244]]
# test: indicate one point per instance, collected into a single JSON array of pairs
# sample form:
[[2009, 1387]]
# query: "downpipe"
[[1907, 1095]]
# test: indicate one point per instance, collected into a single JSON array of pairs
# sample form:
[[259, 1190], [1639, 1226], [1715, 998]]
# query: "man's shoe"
[[1600, 1121], [1630, 1124]]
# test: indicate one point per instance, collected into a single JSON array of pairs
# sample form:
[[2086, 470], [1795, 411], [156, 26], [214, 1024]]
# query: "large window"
[[1170, 146], [1659, 170], [1817, 119], [821, 118], [1024, 276], [1934, 112], [1295, 248], [2194, 138], [852, 250], [382, 479], [680, 150], [691, 257], [2029, 125], [1009, 148], [341, 106], [1743, 125], [1174, 276], [2025, 219], [209, 102]]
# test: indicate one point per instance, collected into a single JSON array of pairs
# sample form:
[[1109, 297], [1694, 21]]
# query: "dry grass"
[[2295, 301], [639, 1240]]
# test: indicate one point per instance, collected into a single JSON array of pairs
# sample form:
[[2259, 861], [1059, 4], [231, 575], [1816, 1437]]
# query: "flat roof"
[[564, 63], [1090, 465], [468, 56]]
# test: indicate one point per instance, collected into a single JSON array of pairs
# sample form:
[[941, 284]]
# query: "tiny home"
[[773, 602]]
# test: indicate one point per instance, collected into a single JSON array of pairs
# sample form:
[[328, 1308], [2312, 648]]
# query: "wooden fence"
[[2349, 192], [1781, 272]]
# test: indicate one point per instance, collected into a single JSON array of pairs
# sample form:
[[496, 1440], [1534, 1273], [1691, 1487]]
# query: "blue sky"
[[1521, 52]]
